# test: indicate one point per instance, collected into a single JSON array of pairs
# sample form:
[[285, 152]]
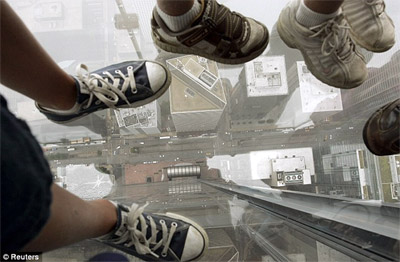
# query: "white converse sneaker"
[[328, 50], [370, 26], [156, 237]]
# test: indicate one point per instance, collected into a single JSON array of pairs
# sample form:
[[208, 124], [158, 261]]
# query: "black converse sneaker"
[[156, 237], [127, 84]]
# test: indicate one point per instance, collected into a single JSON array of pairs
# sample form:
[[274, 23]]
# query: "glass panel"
[[267, 125], [238, 230]]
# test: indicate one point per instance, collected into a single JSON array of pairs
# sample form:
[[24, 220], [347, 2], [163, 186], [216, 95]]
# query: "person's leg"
[[38, 215], [178, 14], [315, 12], [73, 219], [175, 7], [208, 29], [27, 68], [324, 7]]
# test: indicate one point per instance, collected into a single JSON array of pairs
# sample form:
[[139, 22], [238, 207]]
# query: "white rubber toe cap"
[[194, 245], [157, 75]]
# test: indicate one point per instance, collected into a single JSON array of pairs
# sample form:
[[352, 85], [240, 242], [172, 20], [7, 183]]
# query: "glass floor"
[[237, 229], [283, 172]]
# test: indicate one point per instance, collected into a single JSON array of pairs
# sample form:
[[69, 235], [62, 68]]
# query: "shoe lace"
[[99, 86], [336, 37], [137, 238], [380, 5]]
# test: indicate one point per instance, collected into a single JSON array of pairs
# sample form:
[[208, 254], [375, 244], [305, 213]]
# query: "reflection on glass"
[[267, 124]]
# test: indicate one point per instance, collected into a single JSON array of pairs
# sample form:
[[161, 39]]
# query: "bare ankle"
[[64, 99], [323, 6]]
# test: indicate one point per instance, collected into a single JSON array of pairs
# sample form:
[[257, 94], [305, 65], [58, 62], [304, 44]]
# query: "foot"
[[381, 132], [370, 26], [156, 237], [127, 84], [328, 50], [217, 34]]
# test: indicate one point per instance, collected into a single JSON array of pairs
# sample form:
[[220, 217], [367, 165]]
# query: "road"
[[149, 149]]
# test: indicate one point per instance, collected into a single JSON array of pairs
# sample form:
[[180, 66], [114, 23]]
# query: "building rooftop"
[[196, 85], [315, 95], [266, 76], [139, 117]]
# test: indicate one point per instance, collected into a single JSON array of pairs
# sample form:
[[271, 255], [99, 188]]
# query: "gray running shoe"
[[127, 84], [218, 34], [382, 131], [156, 237], [328, 50], [370, 26]]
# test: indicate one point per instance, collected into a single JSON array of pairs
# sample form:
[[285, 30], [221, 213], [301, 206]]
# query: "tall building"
[[144, 10], [134, 34], [344, 175], [318, 100], [50, 16], [389, 174], [315, 95], [279, 168], [141, 120], [231, 168], [381, 87], [197, 97], [262, 83], [306, 97], [349, 170], [284, 167], [270, 97], [266, 76], [62, 24]]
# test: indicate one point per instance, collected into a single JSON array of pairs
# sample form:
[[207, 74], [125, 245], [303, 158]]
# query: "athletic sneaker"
[[217, 34], [156, 237], [127, 84], [370, 26], [382, 131], [328, 50]]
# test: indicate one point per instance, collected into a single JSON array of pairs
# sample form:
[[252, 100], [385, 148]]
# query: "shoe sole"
[[186, 50], [150, 99], [366, 135], [197, 226], [290, 41], [375, 117]]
